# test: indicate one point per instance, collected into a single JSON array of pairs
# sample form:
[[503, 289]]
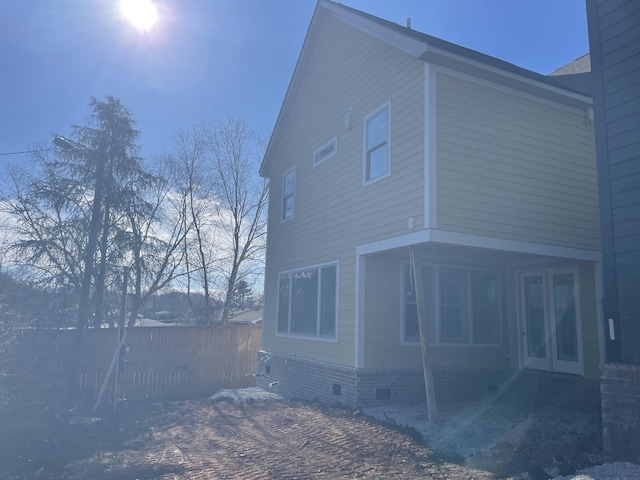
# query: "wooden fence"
[[157, 362]]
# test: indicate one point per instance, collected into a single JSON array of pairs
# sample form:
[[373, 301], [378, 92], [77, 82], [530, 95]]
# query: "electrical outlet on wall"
[[410, 223]]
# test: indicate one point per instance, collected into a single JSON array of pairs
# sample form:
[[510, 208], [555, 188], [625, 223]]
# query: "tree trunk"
[[104, 243]]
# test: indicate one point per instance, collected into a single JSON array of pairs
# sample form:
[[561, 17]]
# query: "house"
[[614, 37], [391, 142]]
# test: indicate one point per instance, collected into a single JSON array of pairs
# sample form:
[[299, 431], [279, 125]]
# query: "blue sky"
[[207, 60]]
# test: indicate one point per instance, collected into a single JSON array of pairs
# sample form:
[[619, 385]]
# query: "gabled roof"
[[575, 75], [427, 48]]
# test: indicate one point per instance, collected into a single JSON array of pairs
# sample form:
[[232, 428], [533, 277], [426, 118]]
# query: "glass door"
[[534, 321], [550, 321], [567, 333]]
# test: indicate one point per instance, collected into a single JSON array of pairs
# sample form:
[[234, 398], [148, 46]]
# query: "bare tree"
[[236, 152], [156, 235], [189, 164]]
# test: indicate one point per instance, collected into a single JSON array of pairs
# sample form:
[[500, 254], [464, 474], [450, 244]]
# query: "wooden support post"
[[432, 408], [121, 331], [107, 377]]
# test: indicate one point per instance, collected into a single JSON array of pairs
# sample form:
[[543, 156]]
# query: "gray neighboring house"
[[389, 140], [614, 37]]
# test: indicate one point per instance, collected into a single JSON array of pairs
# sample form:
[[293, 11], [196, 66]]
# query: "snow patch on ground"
[[470, 431], [244, 395], [474, 434], [608, 471]]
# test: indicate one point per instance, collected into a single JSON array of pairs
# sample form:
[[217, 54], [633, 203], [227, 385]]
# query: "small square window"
[[325, 152]]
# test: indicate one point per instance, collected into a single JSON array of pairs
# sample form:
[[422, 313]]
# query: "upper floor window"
[[376, 145], [462, 306], [288, 194], [307, 302], [325, 152]]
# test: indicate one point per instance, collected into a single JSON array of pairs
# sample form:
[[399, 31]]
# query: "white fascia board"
[[511, 75], [517, 246], [478, 241], [402, 42], [413, 238]]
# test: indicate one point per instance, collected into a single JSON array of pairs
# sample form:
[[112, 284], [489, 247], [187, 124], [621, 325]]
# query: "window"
[[307, 302], [453, 313], [462, 306], [485, 307], [376, 145], [325, 152], [411, 330], [288, 194]]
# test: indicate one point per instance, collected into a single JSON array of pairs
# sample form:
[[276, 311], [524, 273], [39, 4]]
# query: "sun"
[[141, 13]]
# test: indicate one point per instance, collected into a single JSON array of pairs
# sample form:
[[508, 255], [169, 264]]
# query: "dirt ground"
[[271, 440], [207, 440]]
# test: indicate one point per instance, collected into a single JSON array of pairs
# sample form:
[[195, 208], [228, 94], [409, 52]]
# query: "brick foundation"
[[298, 378], [620, 392]]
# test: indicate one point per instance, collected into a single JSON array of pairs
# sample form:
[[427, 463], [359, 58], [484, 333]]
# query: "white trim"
[[282, 218], [597, 277], [399, 40], [365, 182], [317, 160], [305, 337], [418, 48], [430, 174], [478, 241], [359, 312], [512, 76], [503, 88], [294, 356], [433, 164], [309, 267], [317, 336], [413, 238], [518, 246]]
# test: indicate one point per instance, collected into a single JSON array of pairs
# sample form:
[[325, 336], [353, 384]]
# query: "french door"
[[550, 320]]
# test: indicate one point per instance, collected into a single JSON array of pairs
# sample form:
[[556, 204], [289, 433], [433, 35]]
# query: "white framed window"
[[377, 144], [463, 305], [288, 194], [308, 302], [325, 152]]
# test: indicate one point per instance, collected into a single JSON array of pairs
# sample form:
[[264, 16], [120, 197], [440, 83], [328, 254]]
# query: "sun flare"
[[141, 13]]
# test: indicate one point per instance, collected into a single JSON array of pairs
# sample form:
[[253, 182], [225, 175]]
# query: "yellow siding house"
[[389, 139]]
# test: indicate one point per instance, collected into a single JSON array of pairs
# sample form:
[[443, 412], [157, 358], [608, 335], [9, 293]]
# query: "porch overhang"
[[434, 235]]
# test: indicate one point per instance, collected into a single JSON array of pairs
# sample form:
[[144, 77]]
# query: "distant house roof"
[[245, 317], [575, 75]]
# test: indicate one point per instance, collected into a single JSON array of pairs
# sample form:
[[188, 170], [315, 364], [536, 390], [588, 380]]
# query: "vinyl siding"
[[589, 320], [614, 30], [513, 167], [333, 211]]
